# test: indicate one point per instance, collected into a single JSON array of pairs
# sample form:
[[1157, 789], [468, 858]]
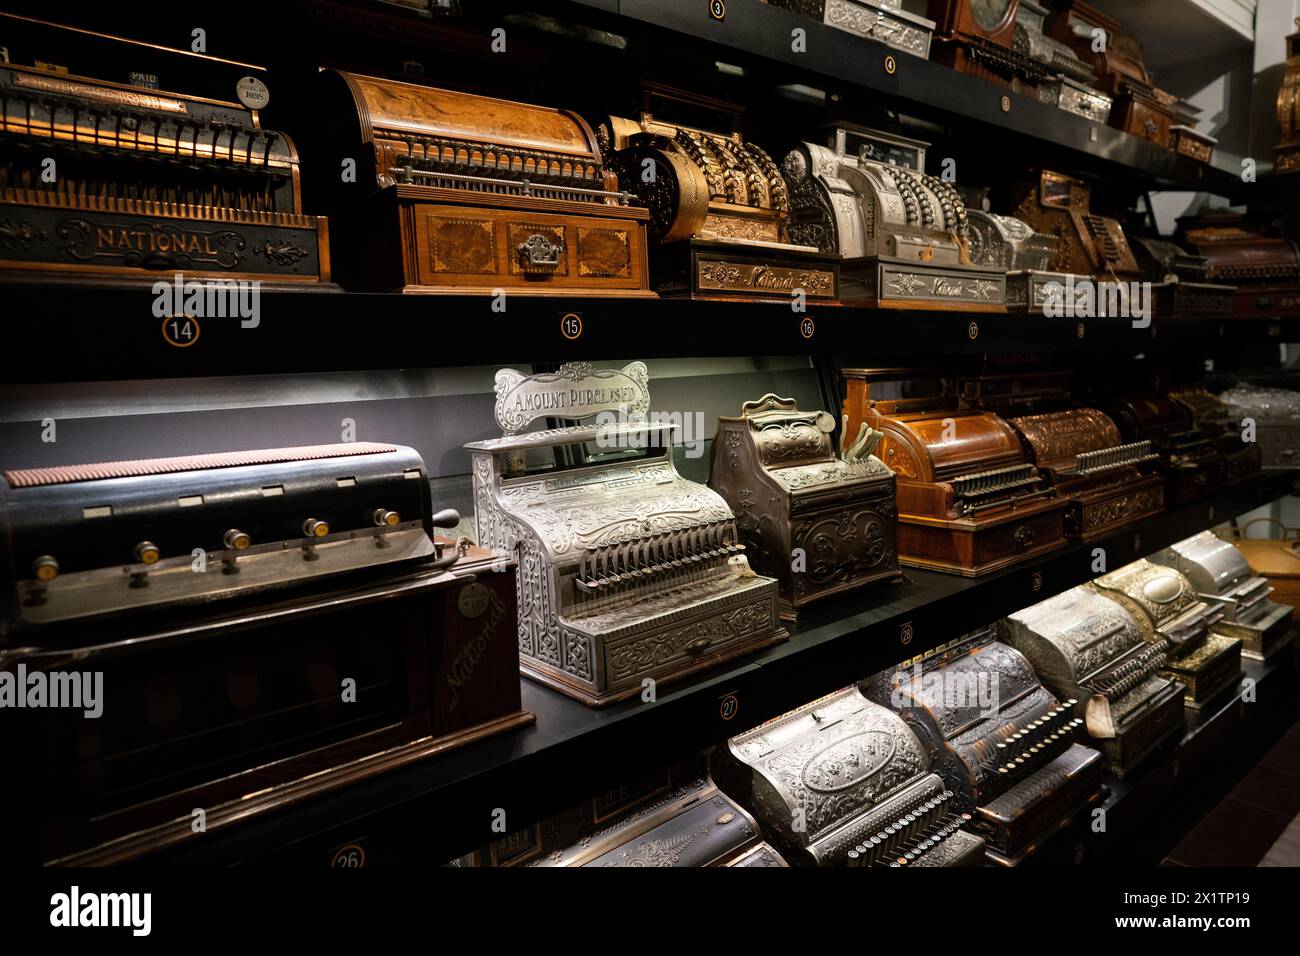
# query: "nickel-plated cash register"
[[842, 781], [629, 572], [902, 234], [1220, 573], [1087, 648], [1172, 616], [265, 626], [1004, 745]]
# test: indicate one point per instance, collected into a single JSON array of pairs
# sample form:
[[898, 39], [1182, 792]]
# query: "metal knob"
[[146, 552], [45, 568], [315, 528], [385, 518], [236, 540]]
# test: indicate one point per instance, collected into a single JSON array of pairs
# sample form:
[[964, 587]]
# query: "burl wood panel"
[[456, 246]]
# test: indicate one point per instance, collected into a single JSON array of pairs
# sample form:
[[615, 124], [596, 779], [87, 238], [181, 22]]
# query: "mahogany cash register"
[[1172, 616], [462, 193], [969, 500], [1218, 421], [819, 522], [143, 179], [628, 572], [842, 781], [1087, 648], [1220, 573], [1001, 742], [1107, 481], [902, 234], [719, 207], [1264, 267], [268, 625], [1187, 456]]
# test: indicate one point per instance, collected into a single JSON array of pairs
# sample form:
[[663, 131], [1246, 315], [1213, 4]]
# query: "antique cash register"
[[980, 37], [969, 500], [1068, 88], [1171, 615], [719, 207], [1214, 418], [127, 162], [842, 781], [1026, 256], [1220, 573], [1001, 742], [1286, 154], [1108, 482], [268, 625], [1264, 267], [820, 522], [1139, 106], [1088, 244], [456, 192], [882, 20], [1088, 648], [1275, 415], [671, 816], [629, 572], [902, 234], [1180, 280], [1187, 456]]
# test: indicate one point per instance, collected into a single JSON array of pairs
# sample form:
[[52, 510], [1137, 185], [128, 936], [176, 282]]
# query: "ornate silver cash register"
[[902, 234], [264, 626], [844, 782], [1171, 615], [1024, 254], [883, 20], [1220, 573], [820, 523], [1001, 742], [1090, 649], [629, 572]]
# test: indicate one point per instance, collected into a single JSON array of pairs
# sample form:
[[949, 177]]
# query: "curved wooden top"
[[392, 107]]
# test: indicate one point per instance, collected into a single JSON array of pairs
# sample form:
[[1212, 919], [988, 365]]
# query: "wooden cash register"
[[969, 500], [456, 192]]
